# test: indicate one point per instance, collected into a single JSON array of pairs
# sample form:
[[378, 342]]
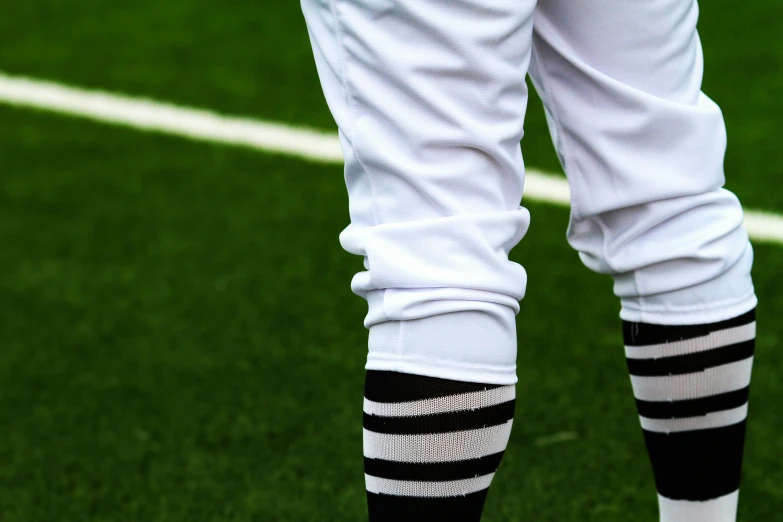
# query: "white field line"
[[204, 125]]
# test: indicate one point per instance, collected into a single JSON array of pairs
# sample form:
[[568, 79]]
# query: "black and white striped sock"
[[432, 446], [691, 386]]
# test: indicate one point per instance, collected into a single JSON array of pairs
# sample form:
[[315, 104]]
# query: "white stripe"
[[708, 342], [410, 488], [437, 447], [145, 114], [716, 419], [764, 227], [712, 381], [721, 509], [460, 402], [150, 115]]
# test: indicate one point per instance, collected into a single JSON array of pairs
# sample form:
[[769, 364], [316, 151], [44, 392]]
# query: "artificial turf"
[[178, 341]]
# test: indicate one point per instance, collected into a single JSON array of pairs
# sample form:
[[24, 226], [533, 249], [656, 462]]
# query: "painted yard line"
[[150, 115]]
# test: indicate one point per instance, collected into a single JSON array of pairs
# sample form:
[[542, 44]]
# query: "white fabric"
[[437, 447], [712, 381], [724, 297], [716, 419], [471, 346], [429, 97], [735, 335], [721, 509], [415, 488], [451, 403]]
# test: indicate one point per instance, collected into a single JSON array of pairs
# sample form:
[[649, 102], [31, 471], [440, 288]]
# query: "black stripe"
[[640, 334], [691, 362], [432, 471], [697, 465], [693, 407], [389, 508], [382, 386], [442, 422]]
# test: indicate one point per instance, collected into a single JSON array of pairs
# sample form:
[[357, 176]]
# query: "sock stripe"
[[715, 339], [424, 489], [433, 471], [390, 508], [716, 419], [712, 381], [442, 422], [693, 407], [383, 386], [697, 465], [464, 401], [437, 447], [641, 334], [691, 384], [432, 446], [721, 509], [691, 363]]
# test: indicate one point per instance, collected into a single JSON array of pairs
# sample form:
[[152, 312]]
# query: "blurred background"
[[178, 339]]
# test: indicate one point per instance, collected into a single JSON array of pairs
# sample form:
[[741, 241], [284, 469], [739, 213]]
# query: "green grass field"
[[178, 339]]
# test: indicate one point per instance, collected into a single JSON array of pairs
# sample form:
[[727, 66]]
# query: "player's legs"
[[643, 149], [429, 98]]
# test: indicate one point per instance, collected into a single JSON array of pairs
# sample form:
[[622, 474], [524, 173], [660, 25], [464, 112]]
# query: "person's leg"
[[643, 149], [429, 98]]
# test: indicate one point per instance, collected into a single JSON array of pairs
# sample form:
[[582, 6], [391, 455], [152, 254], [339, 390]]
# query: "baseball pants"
[[430, 99]]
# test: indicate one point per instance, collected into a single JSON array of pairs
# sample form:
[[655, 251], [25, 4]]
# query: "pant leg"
[[643, 149], [429, 98]]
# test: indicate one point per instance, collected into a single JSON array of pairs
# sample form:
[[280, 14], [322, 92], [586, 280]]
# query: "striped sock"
[[691, 387], [432, 446]]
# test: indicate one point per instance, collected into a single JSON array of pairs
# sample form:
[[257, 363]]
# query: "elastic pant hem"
[[690, 315], [487, 374]]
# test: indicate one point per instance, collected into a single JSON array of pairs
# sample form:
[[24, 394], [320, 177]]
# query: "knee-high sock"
[[432, 446], [691, 386]]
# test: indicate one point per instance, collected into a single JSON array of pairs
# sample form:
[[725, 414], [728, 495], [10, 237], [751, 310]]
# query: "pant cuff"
[[470, 346], [684, 316], [724, 297]]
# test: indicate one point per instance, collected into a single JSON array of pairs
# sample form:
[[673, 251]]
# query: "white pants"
[[430, 98]]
